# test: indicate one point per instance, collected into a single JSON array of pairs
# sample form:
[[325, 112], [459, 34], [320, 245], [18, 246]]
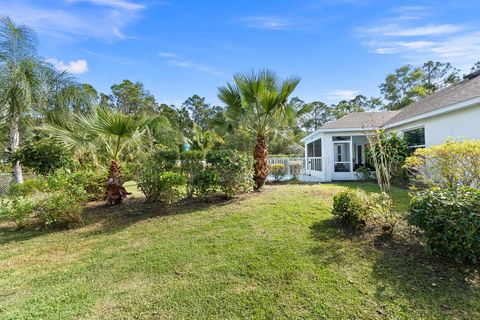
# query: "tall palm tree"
[[102, 130], [258, 102], [26, 81], [19, 78]]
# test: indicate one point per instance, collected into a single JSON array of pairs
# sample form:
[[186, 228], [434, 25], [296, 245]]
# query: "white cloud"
[[105, 19], [266, 22], [417, 41], [127, 5], [167, 55], [175, 60], [341, 94], [428, 30], [75, 66]]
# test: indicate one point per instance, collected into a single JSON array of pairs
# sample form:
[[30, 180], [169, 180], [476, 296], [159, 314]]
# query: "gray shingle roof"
[[462, 91], [361, 120], [465, 90]]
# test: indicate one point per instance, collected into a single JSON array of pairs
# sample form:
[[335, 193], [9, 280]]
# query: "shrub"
[[44, 156], [364, 173], [454, 163], [27, 188], [166, 160], [234, 171], [356, 207], [387, 152], [58, 202], [167, 186], [19, 209], [450, 220], [205, 182], [277, 170], [192, 165], [93, 182], [296, 168], [61, 208], [352, 206]]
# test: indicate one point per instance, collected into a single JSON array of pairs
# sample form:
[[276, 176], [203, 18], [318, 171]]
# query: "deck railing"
[[314, 163], [286, 162]]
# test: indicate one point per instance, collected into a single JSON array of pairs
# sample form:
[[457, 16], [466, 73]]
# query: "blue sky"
[[340, 48]]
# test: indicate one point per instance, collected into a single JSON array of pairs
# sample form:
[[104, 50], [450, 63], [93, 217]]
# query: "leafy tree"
[[358, 104], [408, 83], [258, 103], [131, 98], [319, 115], [201, 112], [439, 75], [404, 86]]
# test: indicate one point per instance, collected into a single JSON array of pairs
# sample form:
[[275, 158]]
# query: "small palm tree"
[[101, 130], [258, 102], [203, 140]]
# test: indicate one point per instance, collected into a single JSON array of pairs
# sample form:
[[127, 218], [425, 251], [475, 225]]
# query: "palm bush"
[[102, 130]]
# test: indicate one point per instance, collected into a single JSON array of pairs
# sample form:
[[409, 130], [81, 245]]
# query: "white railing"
[[315, 164], [286, 162]]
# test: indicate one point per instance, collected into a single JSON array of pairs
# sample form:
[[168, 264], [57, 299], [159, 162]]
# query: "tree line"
[[33, 93]]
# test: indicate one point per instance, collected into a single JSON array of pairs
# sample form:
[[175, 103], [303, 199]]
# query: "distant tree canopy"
[[408, 83], [130, 98]]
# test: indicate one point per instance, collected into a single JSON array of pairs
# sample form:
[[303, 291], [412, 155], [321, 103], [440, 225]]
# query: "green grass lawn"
[[275, 254]]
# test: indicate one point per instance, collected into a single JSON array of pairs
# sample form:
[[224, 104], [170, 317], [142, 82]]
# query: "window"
[[339, 153], [340, 138], [415, 137], [359, 154], [314, 149]]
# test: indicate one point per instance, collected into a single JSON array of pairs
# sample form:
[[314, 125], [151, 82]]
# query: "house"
[[334, 151]]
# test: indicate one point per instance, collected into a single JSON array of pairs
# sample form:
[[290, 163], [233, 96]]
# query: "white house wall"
[[461, 124]]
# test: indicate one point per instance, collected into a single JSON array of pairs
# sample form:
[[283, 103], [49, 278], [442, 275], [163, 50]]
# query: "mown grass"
[[277, 254]]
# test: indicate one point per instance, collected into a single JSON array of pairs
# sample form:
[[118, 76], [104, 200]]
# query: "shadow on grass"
[[110, 219], [402, 270]]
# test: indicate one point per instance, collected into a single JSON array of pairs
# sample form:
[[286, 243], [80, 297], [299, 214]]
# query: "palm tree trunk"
[[14, 137], [260, 153], [115, 190]]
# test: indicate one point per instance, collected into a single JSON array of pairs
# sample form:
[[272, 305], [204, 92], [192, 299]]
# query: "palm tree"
[[26, 81], [258, 102], [203, 140], [102, 130], [19, 78]]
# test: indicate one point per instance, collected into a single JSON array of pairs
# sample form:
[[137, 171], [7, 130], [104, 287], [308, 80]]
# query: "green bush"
[[44, 156], [234, 171], [450, 220], [296, 168], [166, 187], [27, 188], [192, 164], [93, 182], [364, 173], [61, 208], [19, 209], [166, 160], [205, 182], [277, 170], [352, 206]]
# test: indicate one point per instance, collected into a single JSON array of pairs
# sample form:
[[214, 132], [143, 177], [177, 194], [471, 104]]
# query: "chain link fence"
[[6, 180]]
